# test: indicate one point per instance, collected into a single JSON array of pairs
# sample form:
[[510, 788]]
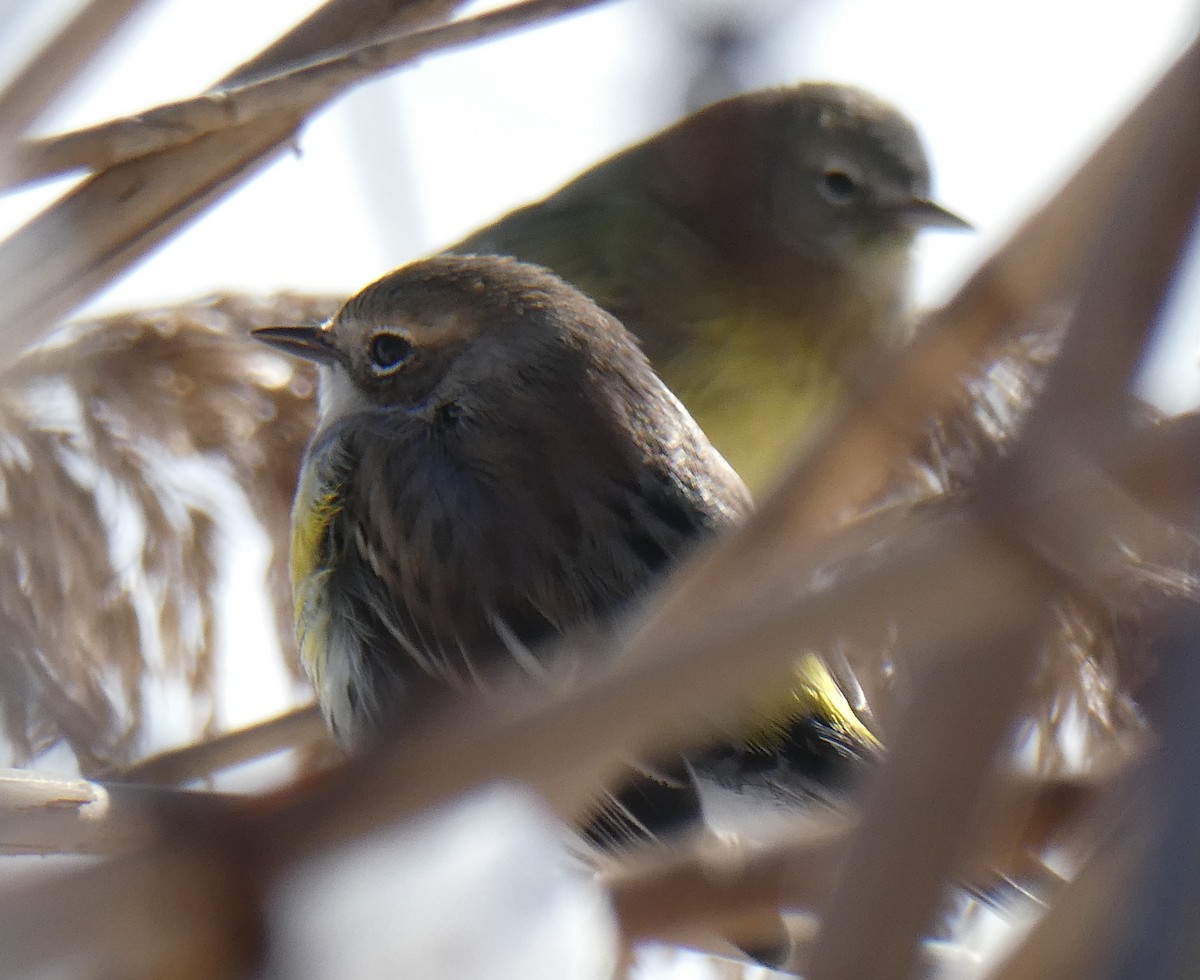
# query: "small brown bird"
[[495, 467]]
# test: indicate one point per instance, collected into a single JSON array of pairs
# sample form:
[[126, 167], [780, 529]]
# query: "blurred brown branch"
[[42, 813], [945, 578], [95, 232], [545, 745], [690, 897], [299, 729], [940, 757]]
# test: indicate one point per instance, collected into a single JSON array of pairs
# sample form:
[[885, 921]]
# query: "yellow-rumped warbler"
[[496, 467], [758, 249]]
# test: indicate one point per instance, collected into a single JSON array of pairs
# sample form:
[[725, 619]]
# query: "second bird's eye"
[[838, 185], [389, 351]]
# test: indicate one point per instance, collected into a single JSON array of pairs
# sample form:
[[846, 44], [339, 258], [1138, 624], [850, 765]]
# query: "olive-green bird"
[[758, 249]]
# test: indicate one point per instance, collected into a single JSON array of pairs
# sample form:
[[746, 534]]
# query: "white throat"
[[337, 396]]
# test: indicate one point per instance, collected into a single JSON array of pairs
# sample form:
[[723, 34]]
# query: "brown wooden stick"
[[86, 239], [51, 69], [296, 91], [301, 728], [43, 813]]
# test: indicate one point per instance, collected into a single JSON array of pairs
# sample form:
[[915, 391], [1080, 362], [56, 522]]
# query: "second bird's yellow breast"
[[755, 389]]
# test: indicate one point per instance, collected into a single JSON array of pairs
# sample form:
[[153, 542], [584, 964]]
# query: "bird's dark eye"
[[838, 186], [389, 351], [450, 412]]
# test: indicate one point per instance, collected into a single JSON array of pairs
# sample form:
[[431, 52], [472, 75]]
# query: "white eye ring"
[[389, 351]]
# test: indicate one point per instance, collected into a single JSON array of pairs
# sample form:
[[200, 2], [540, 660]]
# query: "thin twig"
[[686, 895], [86, 239], [340, 26], [300, 728], [43, 813], [45, 75], [297, 91]]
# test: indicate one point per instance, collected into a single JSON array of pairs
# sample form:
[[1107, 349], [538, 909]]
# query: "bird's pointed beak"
[[921, 212], [311, 343]]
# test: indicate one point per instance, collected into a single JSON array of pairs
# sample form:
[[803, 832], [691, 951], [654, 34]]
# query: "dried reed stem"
[[50, 70], [41, 813], [295, 92], [95, 232], [298, 729]]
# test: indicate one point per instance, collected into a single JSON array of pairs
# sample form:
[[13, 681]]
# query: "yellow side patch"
[[312, 511], [813, 694], [315, 506]]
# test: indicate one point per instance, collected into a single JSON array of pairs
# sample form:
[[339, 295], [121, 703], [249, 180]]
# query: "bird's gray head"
[[824, 170], [460, 337]]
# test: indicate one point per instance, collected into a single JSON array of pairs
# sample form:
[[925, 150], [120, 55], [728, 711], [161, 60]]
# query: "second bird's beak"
[[921, 212], [311, 343]]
